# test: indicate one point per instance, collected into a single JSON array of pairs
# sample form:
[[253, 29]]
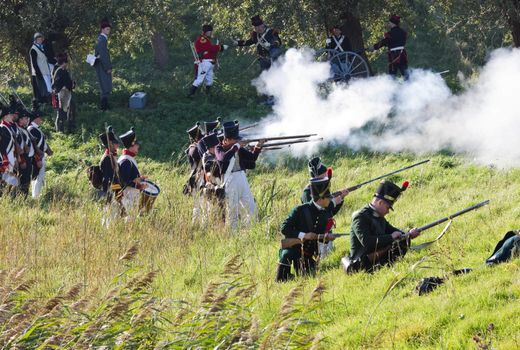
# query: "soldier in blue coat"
[[129, 174], [103, 64]]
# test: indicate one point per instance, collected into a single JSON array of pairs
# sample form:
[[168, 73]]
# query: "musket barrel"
[[440, 221], [353, 188], [279, 138], [276, 144]]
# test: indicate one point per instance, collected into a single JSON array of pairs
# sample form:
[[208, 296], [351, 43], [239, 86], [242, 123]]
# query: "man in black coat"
[[267, 41], [103, 64], [62, 85]]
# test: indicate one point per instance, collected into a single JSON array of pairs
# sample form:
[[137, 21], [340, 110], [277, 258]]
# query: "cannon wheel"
[[344, 65]]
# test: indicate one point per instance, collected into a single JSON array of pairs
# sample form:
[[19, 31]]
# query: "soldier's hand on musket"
[[329, 237], [310, 236], [413, 233], [260, 143], [397, 235], [242, 143]]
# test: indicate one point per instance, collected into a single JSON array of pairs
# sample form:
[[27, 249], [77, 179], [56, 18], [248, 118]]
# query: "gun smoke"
[[420, 115]]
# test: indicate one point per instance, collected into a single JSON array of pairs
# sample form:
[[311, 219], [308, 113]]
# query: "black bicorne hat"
[[316, 167], [111, 135], [210, 140], [389, 192], [320, 188], [3, 110], [195, 132], [129, 138], [256, 20], [231, 130], [211, 126]]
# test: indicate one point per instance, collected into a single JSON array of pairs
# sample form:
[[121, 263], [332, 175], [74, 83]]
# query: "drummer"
[[131, 179]]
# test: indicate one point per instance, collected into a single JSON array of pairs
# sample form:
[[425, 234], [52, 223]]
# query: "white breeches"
[[239, 198], [204, 73]]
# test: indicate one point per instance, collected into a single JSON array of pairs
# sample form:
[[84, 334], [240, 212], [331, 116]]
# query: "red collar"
[[128, 153], [7, 123], [107, 152]]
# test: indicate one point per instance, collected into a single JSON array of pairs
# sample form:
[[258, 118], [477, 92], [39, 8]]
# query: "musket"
[[291, 242], [18, 97], [196, 58], [353, 188], [249, 127], [279, 138], [276, 144], [375, 256], [452, 216], [6, 101], [113, 162]]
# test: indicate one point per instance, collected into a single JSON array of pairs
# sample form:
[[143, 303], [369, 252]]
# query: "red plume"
[[329, 172], [405, 185]]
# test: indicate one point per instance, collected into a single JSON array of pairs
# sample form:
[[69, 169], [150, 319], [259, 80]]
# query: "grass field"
[[199, 286]]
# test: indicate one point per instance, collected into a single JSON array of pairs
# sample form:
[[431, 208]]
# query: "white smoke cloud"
[[419, 115]]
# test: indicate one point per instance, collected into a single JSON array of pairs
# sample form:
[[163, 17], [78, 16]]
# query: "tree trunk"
[[515, 30], [160, 50], [352, 29]]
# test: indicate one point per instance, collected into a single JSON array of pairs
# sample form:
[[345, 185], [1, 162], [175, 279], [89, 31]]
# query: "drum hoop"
[[148, 193]]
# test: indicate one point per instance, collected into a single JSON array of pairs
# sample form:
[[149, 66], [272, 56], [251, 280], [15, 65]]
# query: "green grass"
[[61, 242]]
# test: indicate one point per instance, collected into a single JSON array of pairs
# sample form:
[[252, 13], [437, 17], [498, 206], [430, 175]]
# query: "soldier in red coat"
[[395, 41], [207, 55]]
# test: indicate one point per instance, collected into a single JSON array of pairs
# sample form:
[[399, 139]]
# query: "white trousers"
[[204, 73], [130, 201], [37, 185], [239, 198]]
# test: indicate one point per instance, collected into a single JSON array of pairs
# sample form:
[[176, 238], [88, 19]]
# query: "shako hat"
[[320, 188], [316, 167], [210, 140], [395, 19], [389, 192], [111, 135], [231, 130], [210, 126], [129, 138], [36, 113], [195, 132], [256, 20]]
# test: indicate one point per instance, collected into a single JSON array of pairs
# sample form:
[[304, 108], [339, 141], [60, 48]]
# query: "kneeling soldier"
[[373, 241], [306, 222]]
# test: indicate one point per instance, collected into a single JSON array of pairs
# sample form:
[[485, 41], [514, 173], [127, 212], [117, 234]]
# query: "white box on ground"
[[137, 100]]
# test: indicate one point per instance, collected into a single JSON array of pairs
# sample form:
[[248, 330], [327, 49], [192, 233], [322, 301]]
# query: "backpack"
[[506, 249], [95, 176]]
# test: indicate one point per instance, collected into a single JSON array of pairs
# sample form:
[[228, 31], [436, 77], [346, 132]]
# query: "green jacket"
[[307, 218], [369, 232]]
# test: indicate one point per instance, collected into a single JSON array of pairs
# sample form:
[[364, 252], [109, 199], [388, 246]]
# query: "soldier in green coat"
[[318, 170], [306, 222], [373, 240]]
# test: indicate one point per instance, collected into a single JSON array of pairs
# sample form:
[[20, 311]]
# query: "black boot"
[[284, 273], [208, 88], [193, 89], [104, 103], [61, 115]]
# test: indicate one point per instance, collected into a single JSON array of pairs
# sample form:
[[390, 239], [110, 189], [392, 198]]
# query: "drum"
[[148, 196]]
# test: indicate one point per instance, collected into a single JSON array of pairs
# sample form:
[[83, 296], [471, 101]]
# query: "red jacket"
[[205, 49]]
